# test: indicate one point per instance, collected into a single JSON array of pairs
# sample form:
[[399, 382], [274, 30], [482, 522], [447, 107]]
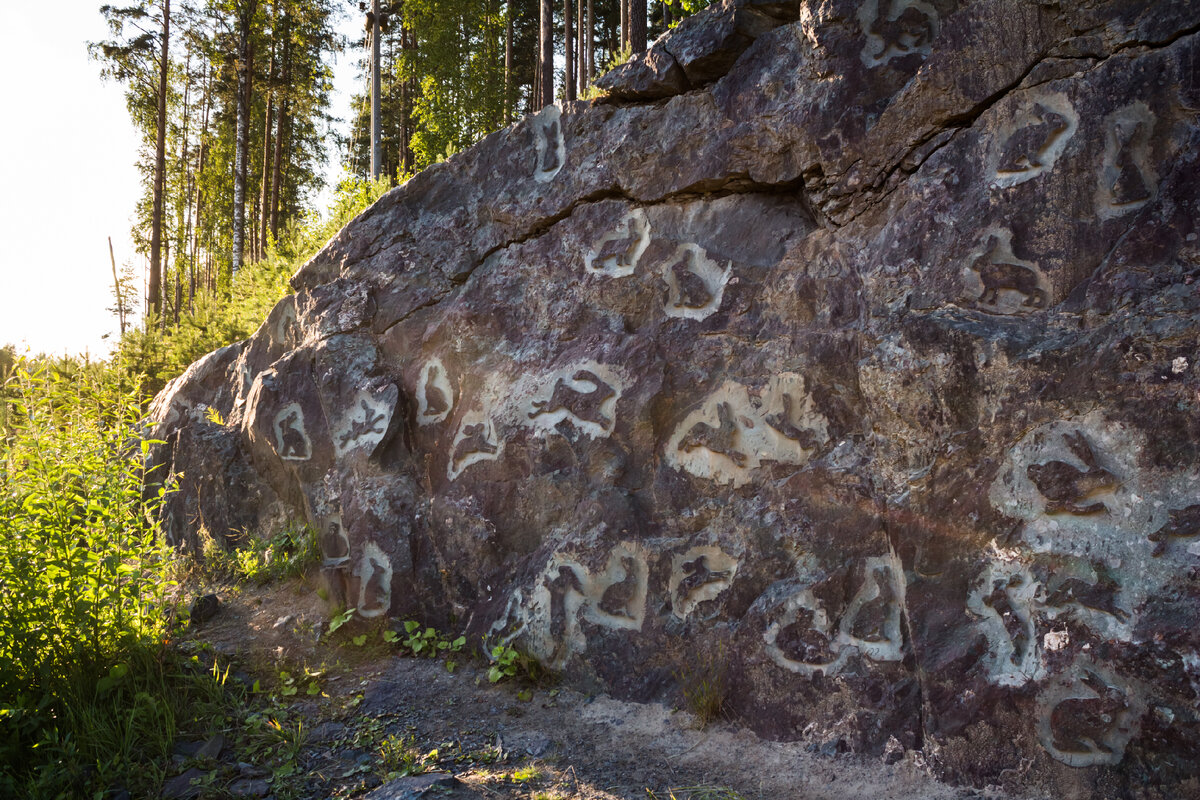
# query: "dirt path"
[[378, 715]]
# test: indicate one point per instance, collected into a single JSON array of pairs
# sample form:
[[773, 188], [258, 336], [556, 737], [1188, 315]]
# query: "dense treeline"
[[233, 101], [232, 98], [455, 70]]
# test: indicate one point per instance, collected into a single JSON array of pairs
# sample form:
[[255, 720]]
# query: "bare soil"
[[509, 740]]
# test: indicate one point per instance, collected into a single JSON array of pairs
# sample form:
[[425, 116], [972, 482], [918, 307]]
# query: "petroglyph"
[[1065, 486], [1088, 716], [548, 142], [287, 330], [585, 393], [475, 441], [374, 573], [566, 592], [1183, 523], [872, 619], [734, 430], [804, 639], [1006, 284], [1086, 497], [1127, 179], [695, 283], [335, 545], [435, 395], [617, 253], [1032, 141], [807, 638], [364, 426], [292, 442], [1003, 599], [700, 574], [895, 28]]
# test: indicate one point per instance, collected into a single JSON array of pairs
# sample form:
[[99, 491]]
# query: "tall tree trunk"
[[508, 44], [624, 23], [568, 53], [154, 289], [591, 44], [280, 122], [666, 15], [580, 48], [637, 26], [198, 217], [264, 194], [240, 161], [546, 60]]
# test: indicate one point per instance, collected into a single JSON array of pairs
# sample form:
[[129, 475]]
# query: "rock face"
[[845, 355]]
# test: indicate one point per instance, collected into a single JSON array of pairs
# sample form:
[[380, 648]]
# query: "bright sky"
[[65, 188]]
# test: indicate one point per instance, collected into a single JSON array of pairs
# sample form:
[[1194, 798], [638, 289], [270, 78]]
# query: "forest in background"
[[233, 102]]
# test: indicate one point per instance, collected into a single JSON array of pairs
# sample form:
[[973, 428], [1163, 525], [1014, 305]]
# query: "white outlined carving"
[[695, 283], [1001, 282], [475, 441], [1003, 600], [1088, 715], [586, 393], [732, 433], [1127, 178], [364, 426], [1030, 143], [435, 395], [895, 28], [292, 442], [617, 253], [374, 572], [548, 142], [700, 574]]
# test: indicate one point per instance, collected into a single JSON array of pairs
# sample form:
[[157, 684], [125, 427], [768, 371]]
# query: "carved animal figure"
[[1023, 150], [1082, 725], [617, 596], [291, 439], [996, 274], [800, 641], [435, 399], [1100, 596], [909, 31], [1065, 486], [1129, 185], [696, 575], [693, 291], [559, 586], [719, 440], [783, 423], [377, 592], [361, 427], [621, 253], [1183, 523], [1000, 601], [333, 544], [549, 156], [475, 440], [584, 406], [870, 623]]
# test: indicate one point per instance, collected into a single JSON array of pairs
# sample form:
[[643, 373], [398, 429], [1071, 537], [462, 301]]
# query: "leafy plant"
[[340, 619], [400, 757], [504, 663]]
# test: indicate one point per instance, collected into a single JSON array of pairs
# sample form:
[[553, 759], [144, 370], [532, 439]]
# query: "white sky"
[[65, 188]]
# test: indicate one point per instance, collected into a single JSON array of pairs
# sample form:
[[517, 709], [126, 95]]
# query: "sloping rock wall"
[[846, 353]]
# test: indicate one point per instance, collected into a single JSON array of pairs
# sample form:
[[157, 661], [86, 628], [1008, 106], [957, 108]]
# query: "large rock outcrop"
[[846, 353]]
